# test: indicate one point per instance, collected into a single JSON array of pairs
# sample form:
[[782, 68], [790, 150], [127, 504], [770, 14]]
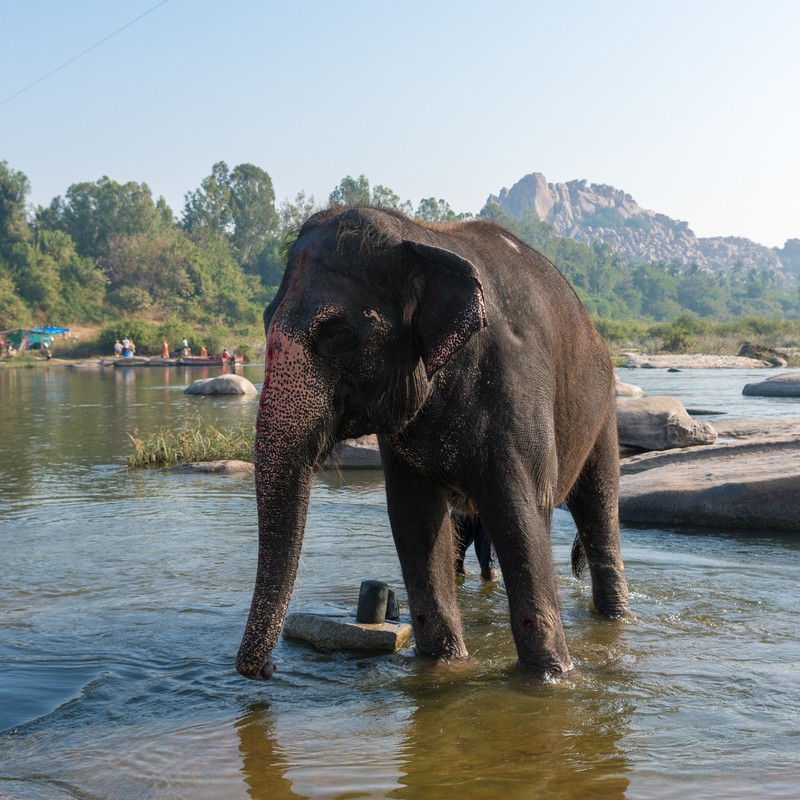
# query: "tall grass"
[[195, 441]]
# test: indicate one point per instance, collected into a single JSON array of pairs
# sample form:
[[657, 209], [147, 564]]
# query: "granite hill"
[[589, 212]]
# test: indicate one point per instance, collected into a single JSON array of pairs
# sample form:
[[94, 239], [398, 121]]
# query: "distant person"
[[470, 530], [185, 349], [165, 349], [225, 354], [203, 351], [126, 347], [117, 348]]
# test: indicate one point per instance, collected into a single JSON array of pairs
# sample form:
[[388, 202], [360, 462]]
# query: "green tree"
[[351, 192], [293, 215], [94, 213], [209, 207], [432, 210], [14, 229], [14, 312], [239, 204], [384, 197]]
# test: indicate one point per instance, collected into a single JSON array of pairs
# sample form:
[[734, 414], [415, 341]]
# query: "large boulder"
[[360, 453], [786, 385], [626, 389], [773, 357], [222, 384], [659, 423], [751, 484]]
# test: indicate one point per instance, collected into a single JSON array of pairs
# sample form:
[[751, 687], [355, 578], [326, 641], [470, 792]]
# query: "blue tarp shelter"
[[31, 338]]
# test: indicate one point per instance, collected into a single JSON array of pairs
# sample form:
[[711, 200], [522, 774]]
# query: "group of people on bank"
[[125, 348]]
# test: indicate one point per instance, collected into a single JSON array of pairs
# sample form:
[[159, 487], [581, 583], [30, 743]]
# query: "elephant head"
[[369, 309]]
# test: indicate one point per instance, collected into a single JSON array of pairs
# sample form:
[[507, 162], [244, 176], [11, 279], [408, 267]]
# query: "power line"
[[82, 53]]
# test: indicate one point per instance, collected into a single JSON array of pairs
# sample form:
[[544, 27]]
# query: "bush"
[[678, 341], [246, 352], [615, 330], [145, 336]]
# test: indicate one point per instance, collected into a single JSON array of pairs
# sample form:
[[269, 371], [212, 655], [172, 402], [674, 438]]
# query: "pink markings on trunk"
[[293, 400]]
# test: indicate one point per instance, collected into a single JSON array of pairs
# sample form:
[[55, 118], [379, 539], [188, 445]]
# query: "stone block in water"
[[340, 633], [372, 600]]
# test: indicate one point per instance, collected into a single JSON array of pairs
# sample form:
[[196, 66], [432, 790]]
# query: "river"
[[123, 596]]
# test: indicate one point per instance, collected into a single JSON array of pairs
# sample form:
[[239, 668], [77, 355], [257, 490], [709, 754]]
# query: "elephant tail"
[[578, 558]]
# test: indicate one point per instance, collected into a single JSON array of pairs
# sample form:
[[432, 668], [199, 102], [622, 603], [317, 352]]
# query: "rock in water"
[[659, 423], [340, 633], [222, 384], [786, 385], [360, 453], [748, 484], [626, 389]]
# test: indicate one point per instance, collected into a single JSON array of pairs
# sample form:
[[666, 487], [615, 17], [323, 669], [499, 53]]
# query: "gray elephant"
[[474, 361]]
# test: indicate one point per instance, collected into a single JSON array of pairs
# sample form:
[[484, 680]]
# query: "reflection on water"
[[123, 598]]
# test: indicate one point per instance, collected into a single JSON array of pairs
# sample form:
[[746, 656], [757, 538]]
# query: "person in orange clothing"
[[165, 349]]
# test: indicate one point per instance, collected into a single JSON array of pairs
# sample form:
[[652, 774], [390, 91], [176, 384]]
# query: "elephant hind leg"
[[593, 502]]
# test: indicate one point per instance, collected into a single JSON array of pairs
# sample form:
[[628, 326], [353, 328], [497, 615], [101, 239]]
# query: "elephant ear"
[[450, 308]]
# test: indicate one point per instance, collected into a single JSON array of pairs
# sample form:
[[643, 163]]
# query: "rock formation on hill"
[[589, 212]]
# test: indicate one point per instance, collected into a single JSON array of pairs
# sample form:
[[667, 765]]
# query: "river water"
[[123, 597]]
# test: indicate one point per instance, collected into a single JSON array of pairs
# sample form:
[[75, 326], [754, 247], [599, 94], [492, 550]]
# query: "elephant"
[[475, 363]]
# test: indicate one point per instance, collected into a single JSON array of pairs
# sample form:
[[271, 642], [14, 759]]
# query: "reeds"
[[195, 441]]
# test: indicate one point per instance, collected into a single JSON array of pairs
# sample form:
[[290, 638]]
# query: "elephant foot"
[[489, 574], [255, 673], [610, 596], [542, 671]]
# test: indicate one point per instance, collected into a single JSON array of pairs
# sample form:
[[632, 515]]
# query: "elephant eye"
[[336, 339]]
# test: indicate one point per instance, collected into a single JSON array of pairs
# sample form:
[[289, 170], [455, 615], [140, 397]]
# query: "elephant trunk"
[[290, 440]]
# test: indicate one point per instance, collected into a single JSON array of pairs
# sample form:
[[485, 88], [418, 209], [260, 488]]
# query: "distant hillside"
[[598, 212]]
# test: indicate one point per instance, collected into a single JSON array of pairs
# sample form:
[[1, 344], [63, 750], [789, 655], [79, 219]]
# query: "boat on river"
[[181, 361], [210, 361]]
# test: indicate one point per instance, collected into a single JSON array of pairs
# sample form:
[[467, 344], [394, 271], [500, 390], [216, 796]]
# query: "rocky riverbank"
[[693, 361]]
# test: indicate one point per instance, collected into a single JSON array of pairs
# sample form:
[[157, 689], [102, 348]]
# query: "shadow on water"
[[443, 740]]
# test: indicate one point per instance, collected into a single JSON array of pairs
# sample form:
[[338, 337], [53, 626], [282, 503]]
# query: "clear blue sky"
[[691, 106]]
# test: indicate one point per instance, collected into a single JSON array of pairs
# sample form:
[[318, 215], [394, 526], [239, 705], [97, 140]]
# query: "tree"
[[255, 220], [293, 215], [351, 192], [432, 210], [240, 205], [384, 197], [14, 188], [14, 312], [209, 207], [93, 213]]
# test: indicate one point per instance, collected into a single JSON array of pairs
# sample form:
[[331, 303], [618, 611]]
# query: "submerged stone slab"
[[342, 633], [222, 467]]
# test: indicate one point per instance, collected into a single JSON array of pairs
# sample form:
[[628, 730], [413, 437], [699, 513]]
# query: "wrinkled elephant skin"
[[475, 363]]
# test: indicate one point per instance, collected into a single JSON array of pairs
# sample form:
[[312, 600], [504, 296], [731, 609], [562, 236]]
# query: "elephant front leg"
[[424, 540]]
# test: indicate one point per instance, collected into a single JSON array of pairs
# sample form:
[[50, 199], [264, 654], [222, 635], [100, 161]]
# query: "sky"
[[690, 107]]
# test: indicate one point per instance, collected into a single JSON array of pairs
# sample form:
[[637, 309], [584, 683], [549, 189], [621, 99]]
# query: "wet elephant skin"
[[474, 361]]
